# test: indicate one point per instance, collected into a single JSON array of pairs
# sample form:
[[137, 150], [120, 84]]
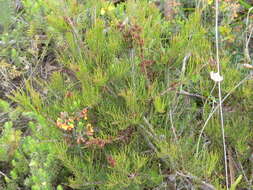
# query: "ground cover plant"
[[144, 95]]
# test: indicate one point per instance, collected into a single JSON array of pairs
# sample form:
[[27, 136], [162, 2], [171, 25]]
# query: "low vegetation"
[[117, 95]]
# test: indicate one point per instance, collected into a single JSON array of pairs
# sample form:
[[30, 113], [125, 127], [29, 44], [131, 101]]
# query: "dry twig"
[[205, 185], [247, 38]]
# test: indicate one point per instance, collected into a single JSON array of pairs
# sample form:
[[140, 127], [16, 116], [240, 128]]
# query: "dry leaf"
[[231, 166], [97, 142], [170, 8], [111, 161]]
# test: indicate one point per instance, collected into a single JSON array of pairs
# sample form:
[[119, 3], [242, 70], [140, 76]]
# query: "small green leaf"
[[245, 4], [59, 187], [8, 180], [8, 125], [4, 106], [14, 114], [237, 181], [159, 104]]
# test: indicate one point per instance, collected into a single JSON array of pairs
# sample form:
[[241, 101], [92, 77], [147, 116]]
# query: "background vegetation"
[[118, 95]]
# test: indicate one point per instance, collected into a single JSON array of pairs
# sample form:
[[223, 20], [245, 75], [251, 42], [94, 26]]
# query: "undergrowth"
[[115, 96]]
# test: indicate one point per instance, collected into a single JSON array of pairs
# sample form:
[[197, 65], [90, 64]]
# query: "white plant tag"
[[248, 66], [216, 77]]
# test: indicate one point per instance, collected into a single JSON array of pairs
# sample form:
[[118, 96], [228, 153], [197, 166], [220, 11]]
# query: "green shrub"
[[126, 104]]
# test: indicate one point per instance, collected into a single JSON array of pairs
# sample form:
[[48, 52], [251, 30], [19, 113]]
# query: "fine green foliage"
[[116, 96]]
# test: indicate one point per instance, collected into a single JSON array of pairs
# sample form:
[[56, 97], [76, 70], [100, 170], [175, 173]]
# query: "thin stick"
[[151, 145], [151, 128], [185, 60], [205, 184], [3, 174], [241, 168], [149, 133], [247, 39], [219, 88], [182, 92], [173, 128], [133, 68]]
